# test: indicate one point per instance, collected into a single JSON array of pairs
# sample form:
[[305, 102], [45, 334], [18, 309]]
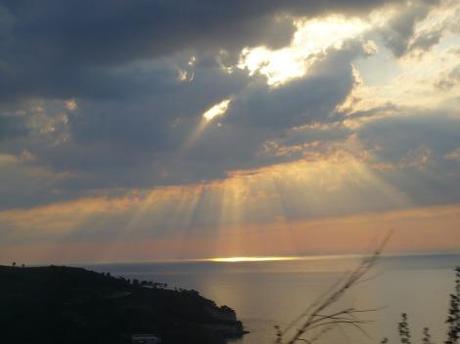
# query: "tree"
[[404, 330], [453, 319], [426, 336]]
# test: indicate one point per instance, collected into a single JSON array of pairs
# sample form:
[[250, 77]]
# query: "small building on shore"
[[147, 338]]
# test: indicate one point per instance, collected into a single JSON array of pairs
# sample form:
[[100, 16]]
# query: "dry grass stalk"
[[318, 315]]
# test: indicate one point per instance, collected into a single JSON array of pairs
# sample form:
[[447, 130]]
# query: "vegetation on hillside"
[[75, 306]]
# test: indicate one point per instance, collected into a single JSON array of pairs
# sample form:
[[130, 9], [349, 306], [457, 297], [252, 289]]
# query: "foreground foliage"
[[320, 317]]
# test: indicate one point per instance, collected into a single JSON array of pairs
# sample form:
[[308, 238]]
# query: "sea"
[[266, 294]]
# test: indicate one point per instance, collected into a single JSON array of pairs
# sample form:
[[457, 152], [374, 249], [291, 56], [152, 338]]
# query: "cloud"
[[398, 32], [63, 50], [11, 127], [419, 26], [396, 135], [26, 184], [412, 150], [138, 140], [449, 80], [112, 93], [409, 152]]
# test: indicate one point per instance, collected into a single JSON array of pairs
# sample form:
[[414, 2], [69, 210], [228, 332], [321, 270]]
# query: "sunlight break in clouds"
[[218, 109], [312, 38]]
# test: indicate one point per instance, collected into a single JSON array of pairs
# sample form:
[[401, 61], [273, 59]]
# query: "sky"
[[187, 129]]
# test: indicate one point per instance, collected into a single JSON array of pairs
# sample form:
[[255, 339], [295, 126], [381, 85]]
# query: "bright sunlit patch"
[[217, 110], [251, 259], [71, 105], [312, 37]]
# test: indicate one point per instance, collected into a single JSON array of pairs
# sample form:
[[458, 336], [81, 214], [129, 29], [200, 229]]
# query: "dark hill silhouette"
[[73, 305]]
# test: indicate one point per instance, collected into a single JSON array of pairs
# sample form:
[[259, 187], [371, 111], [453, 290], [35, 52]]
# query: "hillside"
[[73, 305]]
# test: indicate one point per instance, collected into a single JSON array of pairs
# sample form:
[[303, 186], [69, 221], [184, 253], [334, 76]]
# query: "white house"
[[145, 339]]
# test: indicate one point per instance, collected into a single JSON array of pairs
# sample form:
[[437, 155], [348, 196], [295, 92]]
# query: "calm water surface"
[[268, 293]]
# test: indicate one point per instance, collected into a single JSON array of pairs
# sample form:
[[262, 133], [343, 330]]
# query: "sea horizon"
[[256, 258]]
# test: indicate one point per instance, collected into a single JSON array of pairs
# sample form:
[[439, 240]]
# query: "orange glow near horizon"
[[422, 230], [249, 216]]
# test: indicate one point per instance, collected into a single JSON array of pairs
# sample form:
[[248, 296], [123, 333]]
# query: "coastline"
[[85, 306]]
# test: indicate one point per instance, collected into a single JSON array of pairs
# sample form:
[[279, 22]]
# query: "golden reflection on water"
[[250, 259]]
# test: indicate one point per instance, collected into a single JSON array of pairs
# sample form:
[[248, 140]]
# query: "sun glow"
[[312, 38], [248, 217], [250, 259], [235, 219], [207, 117], [217, 110]]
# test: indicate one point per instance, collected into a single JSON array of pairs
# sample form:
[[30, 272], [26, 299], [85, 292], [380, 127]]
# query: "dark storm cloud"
[[12, 127], [399, 134], [120, 60], [143, 127], [93, 31], [59, 49]]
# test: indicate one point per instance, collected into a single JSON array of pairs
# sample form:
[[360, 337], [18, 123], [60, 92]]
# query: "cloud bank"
[[115, 98]]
